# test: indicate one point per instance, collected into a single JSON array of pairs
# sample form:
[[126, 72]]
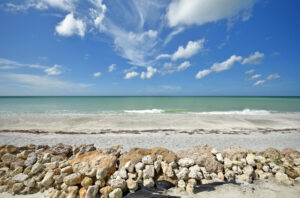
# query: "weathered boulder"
[[61, 149], [135, 155], [183, 173], [235, 153], [291, 173], [98, 161], [186, 162], [21, 177], [272, 153], [116, 193]]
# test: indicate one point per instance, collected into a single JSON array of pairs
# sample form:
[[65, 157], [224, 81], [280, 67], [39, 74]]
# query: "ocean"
[[147, 105]]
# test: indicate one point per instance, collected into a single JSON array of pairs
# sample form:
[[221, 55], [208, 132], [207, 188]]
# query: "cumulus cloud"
[[191, 49], [97, 74], [199, 12], [203, 73], [249, 71], [149, 74], [111, 68], [55, 70], [98, 13], [70, 26], [254, 58], [269, 77], [130, 75], [218, 67], [183, 66], [169, 67]]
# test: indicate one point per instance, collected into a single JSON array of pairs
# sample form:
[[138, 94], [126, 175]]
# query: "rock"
[[157, 165], [186, 162], [101, 183], [259, 166], [48, 179], [3, 189], [61, 149], [81, 168], [30, 183], [37, 167], [183, 174], [17, 187], [132, 185], [83, 149], [31, 159], [147, 160], [248, 170], [227, 163], [297, 181], [250, 159], [116, 193], [139, 166], [91, 172], [51, 165], [73, 179], [229, 175], [86, 182], [135, 155], [165, 178], [221, 176], [118, 183], [59, 178], [101, 173], [10, 149], [290, 153], [283, 178], [291, 173], [149, 182], [82, 193], [21, 177], [148, 172], [266, 168], [244, 179], [105, 191], [123, 173], [67, 169], [219, 157], [272, 153], [190, 185], [92, 191], [181, 184], [297, 161], [195, 172], [129, 167], [98, 161], [214, 151], [234, 153], [8, 158], [169, 172], [72, 191]]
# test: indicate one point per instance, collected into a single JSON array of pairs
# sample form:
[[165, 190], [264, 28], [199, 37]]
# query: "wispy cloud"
[[269, 77], [254, 59], [254, 77], [172, 34], [249, 71], [130, 75], [55, 70], [111, 68], [97, 74]]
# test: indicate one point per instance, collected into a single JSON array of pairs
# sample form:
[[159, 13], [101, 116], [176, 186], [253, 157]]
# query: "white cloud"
[[55, 70], [269, 77], [130, 75], [98, 13], [71, 26], [203, 73], [191, 49], [111, 68], [199, 12], [273, 76], [97, 74], [172, 34], [149, 74], [259, 82], [253, 59], [254, 77], [183, 66], [130, 69], [249, 71], [161, 56], [218, 67]]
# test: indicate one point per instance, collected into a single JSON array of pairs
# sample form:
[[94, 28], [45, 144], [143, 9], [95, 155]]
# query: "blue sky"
[[149, 47]]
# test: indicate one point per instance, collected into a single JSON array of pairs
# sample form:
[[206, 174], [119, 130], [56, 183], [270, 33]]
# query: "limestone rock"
[[139, 166], [132, 185], [219, 157], [72, 191], [157, 165], [116, 193], [227, 163], [291, 173], [129, 167], [186, 162], [67, 169], [283, 178], [59, 178], [250, 159], [21, 177], [92, 191], [243, 179], [8, 158], [61, 149], [30, 183], [17, 187], [37, 167], [234, 153], [123, 173], [73, 179], [248, 170], [101, 173], [149, 182], [48, 179], [181, 184], [31, 159], [118, 183], [86, 182], [183, 173], [148, 172], [147, 160]]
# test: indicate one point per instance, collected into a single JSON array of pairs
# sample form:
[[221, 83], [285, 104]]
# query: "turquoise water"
[[97, 105]]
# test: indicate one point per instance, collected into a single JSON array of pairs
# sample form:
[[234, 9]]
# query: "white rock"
[[148, 182], [157, 165], [227, 163], [181, 184], [244, 179], [139, 166], [229, 175], [67, 169], [183, 173], [195, 172], [101, 173], [21, 177], [186, 162], [148, 172], [132, 185], [266, 168], [173, 164], [123, 173], [36, 168], [116, 193], [297, 161], [92, 191], [48, 179], [147, 160], [248, 170], [283, 178], [129, 167], [250, 159], [219, 157], [91, 172], [118, 183], [214, 151]]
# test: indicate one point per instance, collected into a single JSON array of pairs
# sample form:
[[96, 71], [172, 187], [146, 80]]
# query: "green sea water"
[[113, 105]]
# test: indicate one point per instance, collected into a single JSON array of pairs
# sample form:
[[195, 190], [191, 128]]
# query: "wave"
[[243, 112], [145, 111]]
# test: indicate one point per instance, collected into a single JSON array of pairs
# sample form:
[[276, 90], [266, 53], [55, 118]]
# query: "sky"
[[150, 47]]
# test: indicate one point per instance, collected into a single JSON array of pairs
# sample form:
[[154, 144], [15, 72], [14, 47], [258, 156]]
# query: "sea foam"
[[243, 112], [145, 111]]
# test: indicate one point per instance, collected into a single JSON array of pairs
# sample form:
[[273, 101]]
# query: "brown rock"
[[82, 192], [272, 153], [291, 173], [136, 154], [61, 149], [203, 157], [290, 153], [10, 149], [165, 178], [105, 190], [73, 179], [97, 160], [259, 166], [235, 153], [72, 191]]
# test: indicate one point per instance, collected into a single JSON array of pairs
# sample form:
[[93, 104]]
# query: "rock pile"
[[86, 172]]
